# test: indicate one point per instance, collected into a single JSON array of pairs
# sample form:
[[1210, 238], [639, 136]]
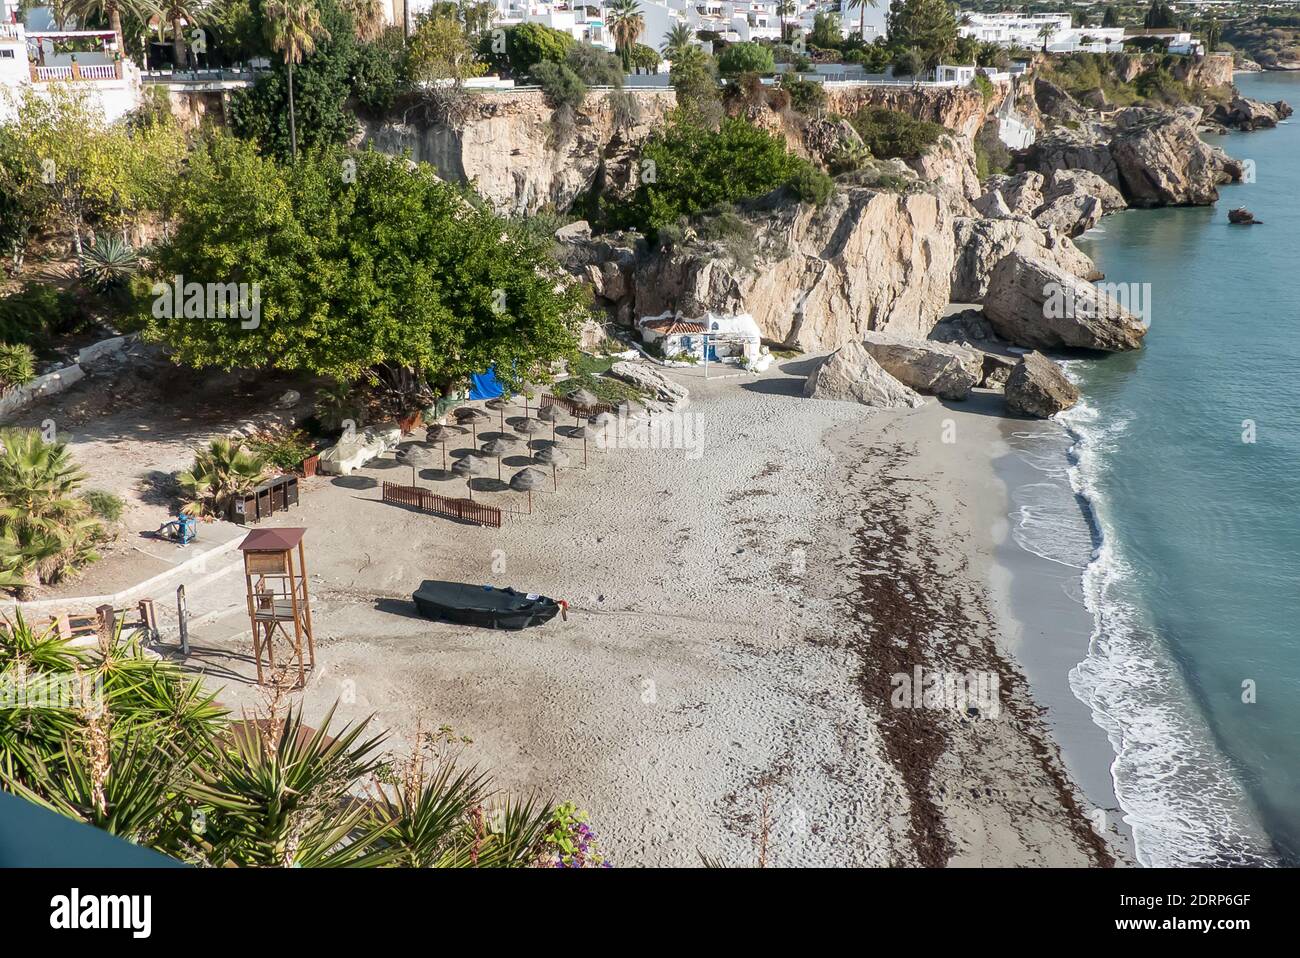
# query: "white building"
[[870, 19], [1056, 29], [28, 62]]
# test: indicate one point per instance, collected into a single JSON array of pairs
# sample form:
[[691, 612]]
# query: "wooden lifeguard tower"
[[277, 597]]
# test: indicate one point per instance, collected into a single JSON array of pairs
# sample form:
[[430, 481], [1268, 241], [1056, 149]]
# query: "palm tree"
[[784, 8], [220, 472], [626, 24], [110, 10], [679, 38], [861, 6], [173, 12], [1045, 32], [368, 19], [295, 27], [46, 528]]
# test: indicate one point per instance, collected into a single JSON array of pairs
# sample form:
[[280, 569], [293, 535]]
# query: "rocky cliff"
[[960, 109], [512, 149]]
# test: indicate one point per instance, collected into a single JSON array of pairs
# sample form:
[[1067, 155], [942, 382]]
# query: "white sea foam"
[[1178, 793]]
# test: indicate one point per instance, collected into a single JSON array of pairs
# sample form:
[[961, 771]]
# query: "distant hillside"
[[1272, 41]]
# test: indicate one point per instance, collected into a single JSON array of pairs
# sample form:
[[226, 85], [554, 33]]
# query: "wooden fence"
[[464, 509], [575, 409]]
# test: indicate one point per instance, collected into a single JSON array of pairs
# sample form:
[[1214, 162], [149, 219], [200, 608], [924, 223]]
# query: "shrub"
[[594, 66], [282, 449], [984, 85], [17, 365], [46, 530], [644, 58], [29, 313], [806, 96], [746, 57], [526, 45], [108, 262], [105, 505], [908, 63], [889, 133], [222, 471], [812, 185], [562, 86]]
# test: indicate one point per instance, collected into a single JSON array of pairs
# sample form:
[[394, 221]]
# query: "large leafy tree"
[[110, 10], [364, 265], [926, 26], [517, 49]]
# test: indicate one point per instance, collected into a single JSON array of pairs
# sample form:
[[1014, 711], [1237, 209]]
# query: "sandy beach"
[[745, 606]]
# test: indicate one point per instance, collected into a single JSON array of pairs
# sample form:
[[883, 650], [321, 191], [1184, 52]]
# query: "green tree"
[[110, 10], [176, 12], [694, 169], [513, 51], [369, 18], [746, 57], [927, 26], [295, 26], [784, 9], [1110, 18], [385, 268], [826, 31], [694, 76], [680, 37]]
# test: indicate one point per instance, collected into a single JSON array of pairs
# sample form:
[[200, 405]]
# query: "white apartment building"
[[28, 63], [1022, 30]]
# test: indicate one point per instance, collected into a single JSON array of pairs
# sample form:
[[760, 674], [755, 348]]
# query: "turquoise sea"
[[1184, 462]]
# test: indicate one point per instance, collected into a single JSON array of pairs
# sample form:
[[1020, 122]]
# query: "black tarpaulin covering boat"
[[484, 605]]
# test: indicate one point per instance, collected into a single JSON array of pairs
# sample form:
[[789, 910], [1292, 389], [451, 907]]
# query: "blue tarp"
[[484, 385]]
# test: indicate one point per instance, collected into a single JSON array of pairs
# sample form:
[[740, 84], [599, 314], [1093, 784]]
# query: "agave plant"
[[46, 528], [437, 815], [222, 471], [17, 364], [108, 262]]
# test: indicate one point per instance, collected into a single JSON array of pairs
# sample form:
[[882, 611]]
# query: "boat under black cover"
[[483, 605]]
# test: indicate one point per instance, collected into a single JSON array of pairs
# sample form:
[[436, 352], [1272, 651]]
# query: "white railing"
[[10, 31], [54, 73], [99, 71]]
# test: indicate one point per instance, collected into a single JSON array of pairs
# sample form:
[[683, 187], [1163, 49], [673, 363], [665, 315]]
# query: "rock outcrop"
[[850, 375], [511, 148], [1037, 387], [660, 393], [1243, 113], [949, 166], [982, 243], [821, 276], [945, 370], [1032, 302]]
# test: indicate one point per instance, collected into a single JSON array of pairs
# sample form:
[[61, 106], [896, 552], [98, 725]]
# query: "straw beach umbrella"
[[415, 455], [472, 416], [584, 398], [530, 427], [440, 435], [584, 433], [469, 467], [552, 456], [496, 449], [550, 414], [603, 423], [500, 406], [526, 480]]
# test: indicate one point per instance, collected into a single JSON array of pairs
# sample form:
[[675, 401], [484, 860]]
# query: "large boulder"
[[1071, 182], [946, 370], [1072, 150], [1243, 113], [1022, 193], [1162, 161], [1057, 104], [1037, 387], [983, 243], [1070, 215], [1033, 302], [818, 276], [850, 374], [660, 393], [949, 166]]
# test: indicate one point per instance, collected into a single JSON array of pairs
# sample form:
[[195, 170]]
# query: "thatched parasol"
[[499, 405], [440, 435], [552, 456], [469, 467], [583, 399], [584, 433], [526, 480], [415, 455], [551, 414], [495, 450], [472, 416], [530, 427], [603, 422]]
